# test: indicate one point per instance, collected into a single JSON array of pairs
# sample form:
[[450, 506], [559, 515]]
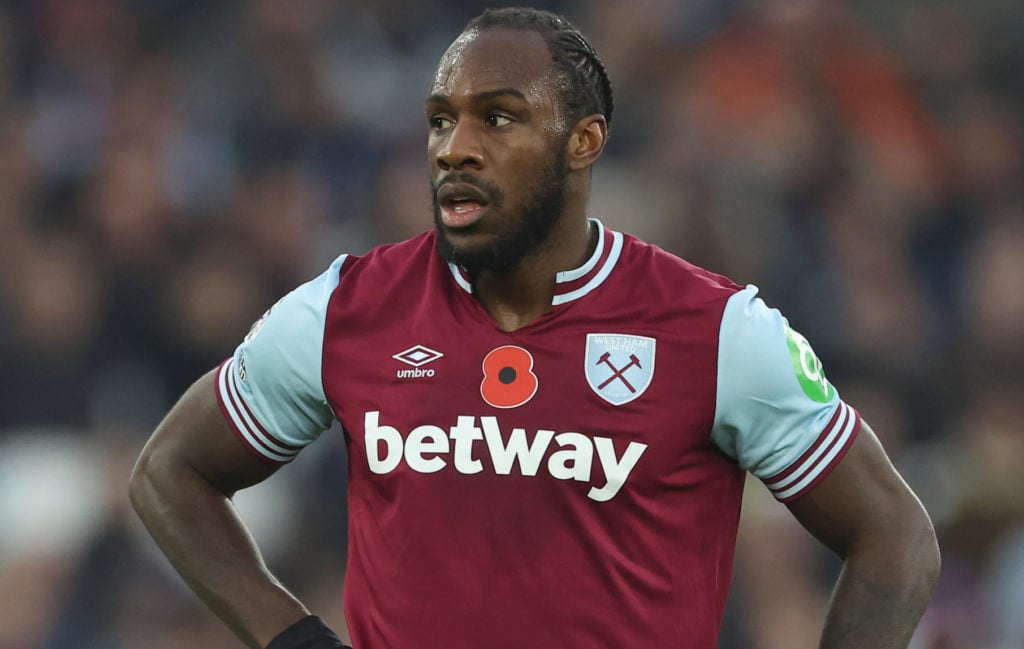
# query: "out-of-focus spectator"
[[54, 302]]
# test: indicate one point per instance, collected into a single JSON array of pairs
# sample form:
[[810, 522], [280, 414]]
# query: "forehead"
[[496, 58]]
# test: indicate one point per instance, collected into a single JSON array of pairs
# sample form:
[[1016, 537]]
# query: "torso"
[[593, 510]]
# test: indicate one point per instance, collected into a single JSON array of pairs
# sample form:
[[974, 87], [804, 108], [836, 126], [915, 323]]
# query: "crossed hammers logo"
[[618, 372]]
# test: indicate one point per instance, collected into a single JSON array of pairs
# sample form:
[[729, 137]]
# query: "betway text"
[[429, 449]]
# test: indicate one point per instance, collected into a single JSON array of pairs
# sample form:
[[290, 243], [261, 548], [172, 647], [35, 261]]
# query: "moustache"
[[490, 190]]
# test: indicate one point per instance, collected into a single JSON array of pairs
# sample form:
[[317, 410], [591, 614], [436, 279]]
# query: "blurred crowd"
[[168, 168]]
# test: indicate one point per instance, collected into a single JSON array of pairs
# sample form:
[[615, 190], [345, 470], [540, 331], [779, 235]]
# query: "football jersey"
[[575, 483]]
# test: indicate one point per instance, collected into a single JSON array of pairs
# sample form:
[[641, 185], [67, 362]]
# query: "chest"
[[584, 402]]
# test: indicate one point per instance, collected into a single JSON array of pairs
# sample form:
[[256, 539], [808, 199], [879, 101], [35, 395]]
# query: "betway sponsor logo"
[[429, 449]]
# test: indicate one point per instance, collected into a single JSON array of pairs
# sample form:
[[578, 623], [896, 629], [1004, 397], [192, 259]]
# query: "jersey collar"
[[573, 284]]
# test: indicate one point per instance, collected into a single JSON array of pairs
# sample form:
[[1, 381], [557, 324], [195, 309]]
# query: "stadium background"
[[169, 167]]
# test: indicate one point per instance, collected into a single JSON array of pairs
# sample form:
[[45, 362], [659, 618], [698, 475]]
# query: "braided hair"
[[588, 90]]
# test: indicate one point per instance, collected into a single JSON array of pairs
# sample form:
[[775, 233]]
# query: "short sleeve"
[[270, 390], [776, 414]]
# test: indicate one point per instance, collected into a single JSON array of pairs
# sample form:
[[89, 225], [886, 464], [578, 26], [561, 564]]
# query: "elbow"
[[900, 549], [140, 483], [927, 553], [914, 558]]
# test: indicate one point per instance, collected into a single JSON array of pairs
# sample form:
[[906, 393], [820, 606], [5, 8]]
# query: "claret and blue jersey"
[[577, 480]]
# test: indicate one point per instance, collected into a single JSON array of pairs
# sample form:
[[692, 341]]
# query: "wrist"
[[308, 633]]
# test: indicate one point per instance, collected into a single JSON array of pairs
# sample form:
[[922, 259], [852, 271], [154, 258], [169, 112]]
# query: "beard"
[[518, 234]]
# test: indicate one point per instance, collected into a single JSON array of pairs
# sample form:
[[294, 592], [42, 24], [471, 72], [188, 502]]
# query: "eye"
[[440, 123], [497, 120]]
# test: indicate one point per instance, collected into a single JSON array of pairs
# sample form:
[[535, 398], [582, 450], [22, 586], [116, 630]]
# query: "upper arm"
[[243, 420], [775, 412], [863, 498], [195, 435], [779, 417]]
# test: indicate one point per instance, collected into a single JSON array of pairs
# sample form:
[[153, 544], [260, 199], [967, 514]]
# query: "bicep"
[[270, 390], [863, 497], [195, 435]]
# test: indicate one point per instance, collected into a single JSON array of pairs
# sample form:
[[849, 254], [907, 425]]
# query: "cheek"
[[543, 160], [534, 156]]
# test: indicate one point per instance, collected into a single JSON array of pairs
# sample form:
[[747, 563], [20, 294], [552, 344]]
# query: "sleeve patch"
[[809, 372]]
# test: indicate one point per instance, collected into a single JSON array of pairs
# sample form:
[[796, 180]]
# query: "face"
[[497, 149]]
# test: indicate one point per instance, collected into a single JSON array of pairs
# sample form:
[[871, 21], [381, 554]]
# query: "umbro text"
[[429, 449], [414, 373]]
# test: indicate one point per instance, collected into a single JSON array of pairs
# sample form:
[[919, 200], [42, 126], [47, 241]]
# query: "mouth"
[[461, 204]]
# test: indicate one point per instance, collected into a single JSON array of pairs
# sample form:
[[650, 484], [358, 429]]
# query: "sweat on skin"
[[425, 448]]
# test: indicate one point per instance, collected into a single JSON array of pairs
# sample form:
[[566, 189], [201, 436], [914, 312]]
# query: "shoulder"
[[387, 282], [409, 256], [295, 325], [646, 264]]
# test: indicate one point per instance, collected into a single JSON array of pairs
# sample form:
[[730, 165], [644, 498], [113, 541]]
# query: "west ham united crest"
[[619, 367]]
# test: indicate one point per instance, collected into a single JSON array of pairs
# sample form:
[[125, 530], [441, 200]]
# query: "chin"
[[474, 257]]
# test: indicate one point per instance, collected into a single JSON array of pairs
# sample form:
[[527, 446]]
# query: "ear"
[[586, 142]]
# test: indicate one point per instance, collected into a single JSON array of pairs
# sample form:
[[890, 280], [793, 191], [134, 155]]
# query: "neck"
[[517, 297]]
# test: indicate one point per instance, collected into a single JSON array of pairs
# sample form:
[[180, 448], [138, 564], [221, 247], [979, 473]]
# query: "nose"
[[459, 148]]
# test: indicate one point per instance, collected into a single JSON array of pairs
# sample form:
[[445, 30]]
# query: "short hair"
[[589, 91]]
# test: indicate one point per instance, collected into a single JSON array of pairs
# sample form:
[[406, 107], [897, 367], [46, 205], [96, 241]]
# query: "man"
[[547, 423]]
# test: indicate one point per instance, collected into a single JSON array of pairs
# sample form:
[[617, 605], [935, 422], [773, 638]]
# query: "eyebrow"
[[480, 97]]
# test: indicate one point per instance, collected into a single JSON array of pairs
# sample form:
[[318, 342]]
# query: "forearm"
[[879, 599], [198, 529]]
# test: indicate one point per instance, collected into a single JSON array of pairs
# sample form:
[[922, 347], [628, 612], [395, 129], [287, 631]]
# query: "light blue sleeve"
[[271, 389], [776, 414]]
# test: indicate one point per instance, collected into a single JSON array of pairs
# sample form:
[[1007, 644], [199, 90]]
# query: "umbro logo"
[[417, 356]]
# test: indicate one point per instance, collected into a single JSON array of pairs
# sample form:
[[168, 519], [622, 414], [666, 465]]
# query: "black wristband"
[[308, 633]]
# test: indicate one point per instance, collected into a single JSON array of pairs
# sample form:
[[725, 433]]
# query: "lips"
[[461, 204]]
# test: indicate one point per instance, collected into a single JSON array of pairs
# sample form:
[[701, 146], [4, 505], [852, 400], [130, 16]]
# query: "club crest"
[[619, 367]]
